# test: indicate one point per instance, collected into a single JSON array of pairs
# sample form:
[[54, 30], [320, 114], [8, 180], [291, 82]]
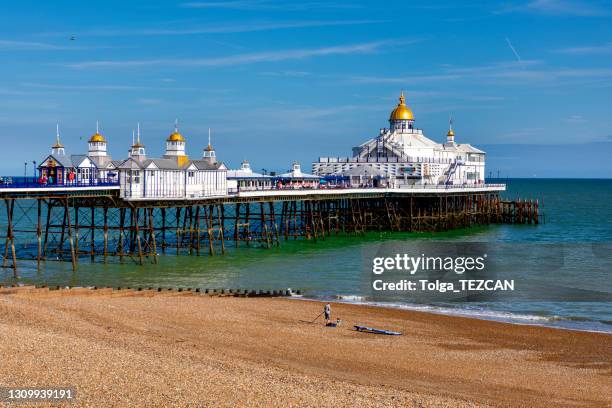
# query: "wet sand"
[[141, 349]]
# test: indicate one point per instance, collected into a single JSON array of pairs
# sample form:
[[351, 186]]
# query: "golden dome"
[[97, 137], [58, 144], [175, 137], [401, 112], [209, 148], [450, 133]]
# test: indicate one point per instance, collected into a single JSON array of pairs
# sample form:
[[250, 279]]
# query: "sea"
[[562, 267]]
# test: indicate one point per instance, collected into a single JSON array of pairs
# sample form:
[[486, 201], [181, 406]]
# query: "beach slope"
[[147, 349]]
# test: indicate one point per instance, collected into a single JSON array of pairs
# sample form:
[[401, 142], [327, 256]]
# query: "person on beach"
[[327, 313]]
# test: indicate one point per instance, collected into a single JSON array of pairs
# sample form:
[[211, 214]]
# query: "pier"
[[79, 207], [93, 223]]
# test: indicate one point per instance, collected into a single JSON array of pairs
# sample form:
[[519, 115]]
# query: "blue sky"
[[279, 81]]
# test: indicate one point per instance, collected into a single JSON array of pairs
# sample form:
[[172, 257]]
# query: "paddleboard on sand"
[[376, 331]]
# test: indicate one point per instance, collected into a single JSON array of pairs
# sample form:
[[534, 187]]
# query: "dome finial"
[[175, 136], [451, 133], [401, 111], [58, 144], [97, 137], [138, 134]]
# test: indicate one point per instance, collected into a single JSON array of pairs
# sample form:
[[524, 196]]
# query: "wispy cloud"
[[10, 45], [288, 73], [558, 8], [528, 71], [247, 58], [559, 80], [100, 87], [12, 92], [268, 5], [82, 87], [242, 27], [149, 101], [592, 49], [575, 119]]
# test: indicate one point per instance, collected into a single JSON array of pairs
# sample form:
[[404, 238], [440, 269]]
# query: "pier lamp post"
[[25, 169], [34, 169]]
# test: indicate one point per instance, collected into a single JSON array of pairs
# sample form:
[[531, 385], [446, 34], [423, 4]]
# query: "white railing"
[[375, 159]]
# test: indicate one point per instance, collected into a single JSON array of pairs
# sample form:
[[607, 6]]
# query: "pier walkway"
[[32, 188]]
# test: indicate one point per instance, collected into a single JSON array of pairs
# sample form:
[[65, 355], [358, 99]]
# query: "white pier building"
[[402, 155], [173, 176]]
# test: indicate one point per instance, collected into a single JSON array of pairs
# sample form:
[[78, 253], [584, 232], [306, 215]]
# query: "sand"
[[140, 349]]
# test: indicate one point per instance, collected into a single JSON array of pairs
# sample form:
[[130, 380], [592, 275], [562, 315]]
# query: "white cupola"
[[137, 151], [97, 144], [209, 154], [58, 148], [175, 146]]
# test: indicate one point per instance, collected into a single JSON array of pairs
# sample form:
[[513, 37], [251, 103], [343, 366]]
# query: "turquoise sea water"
[[577, 228]]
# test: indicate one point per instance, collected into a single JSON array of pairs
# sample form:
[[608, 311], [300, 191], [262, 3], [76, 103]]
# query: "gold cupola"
[[401, 111], [97, 144], [175, 137], [450, 135], [96, 137], [175, 147]]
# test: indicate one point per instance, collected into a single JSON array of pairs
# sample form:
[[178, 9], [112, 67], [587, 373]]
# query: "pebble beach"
[[184, 349]]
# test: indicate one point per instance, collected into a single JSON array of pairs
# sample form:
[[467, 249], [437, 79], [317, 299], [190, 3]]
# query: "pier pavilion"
[[402, 155]]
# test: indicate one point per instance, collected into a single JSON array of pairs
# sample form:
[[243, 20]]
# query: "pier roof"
[[207, 165]]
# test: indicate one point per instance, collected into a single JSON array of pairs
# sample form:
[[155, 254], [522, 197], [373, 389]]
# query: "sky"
[[528, 81]]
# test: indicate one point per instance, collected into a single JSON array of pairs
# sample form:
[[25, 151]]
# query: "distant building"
[[245, 179], [402, 155], [294, 178]]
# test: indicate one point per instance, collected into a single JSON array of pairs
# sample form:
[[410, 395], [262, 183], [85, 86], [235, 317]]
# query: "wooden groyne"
[[141, 291], [104, 228]]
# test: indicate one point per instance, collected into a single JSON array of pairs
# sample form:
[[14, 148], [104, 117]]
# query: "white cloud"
[[592, 49], [575, 119], [532, 72], [242, 27], [149, 101], [295, 74], [30, 46], [101, 87], [241, 59], [267, 5], [559, 8]]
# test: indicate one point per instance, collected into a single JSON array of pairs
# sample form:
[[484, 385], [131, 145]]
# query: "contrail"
[[516, 54]]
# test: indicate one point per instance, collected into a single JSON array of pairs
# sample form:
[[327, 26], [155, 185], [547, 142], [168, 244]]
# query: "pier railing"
[[492, 186], [32, 182]]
